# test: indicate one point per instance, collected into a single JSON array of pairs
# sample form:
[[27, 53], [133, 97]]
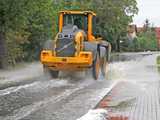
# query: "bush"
[[15, 51], [144, 42], [147, 41]]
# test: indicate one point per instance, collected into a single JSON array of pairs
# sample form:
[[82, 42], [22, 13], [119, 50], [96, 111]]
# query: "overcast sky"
[[148, 9]]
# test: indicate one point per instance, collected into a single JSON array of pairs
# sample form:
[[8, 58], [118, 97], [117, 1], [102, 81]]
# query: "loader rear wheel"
[[52, 73], [104, 66], [96, 67]]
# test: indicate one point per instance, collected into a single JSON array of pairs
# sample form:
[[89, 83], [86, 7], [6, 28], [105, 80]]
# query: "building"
[[132, 32]]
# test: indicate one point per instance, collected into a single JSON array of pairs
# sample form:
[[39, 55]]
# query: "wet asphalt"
[[33, 96], [137, 94]]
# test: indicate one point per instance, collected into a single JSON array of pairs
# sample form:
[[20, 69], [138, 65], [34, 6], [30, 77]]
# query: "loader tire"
[[52, 73], [104, 66], [96, 67]]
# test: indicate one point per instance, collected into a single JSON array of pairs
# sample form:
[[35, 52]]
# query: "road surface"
[[26, 94]]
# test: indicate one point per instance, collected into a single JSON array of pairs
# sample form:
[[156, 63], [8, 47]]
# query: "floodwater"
[[137, 95], [25, 94]]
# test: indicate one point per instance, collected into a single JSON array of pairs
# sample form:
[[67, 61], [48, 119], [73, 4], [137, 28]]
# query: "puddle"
[[121, 104]]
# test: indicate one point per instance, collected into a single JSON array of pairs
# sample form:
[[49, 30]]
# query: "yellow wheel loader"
[[77, 46]]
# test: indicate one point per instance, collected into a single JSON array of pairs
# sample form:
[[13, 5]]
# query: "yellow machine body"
[[76, 46], [84, 60], [81, 60]]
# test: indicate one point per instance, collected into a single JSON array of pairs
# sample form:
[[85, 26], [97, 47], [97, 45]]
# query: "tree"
[[21, 19], [115, 17], [26, 24]]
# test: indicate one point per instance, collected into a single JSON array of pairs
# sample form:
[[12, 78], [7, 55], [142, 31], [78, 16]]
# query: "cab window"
[[80, 21]]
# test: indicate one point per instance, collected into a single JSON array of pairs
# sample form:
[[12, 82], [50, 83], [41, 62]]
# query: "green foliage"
[[40, 26], [21, 17], [14, 52], [129, 44], [115, 17], [27, 24], [147, 41]]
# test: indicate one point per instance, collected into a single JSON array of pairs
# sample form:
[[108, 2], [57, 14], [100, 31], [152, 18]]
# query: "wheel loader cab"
[[79, 21], [83, 20]]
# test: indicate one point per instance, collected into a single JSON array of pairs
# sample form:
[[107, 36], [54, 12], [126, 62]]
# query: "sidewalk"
[[128, 103], [137, 95]]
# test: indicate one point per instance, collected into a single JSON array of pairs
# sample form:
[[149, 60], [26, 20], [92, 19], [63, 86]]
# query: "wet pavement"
[[25, 94], [137, 95], [42, 98]]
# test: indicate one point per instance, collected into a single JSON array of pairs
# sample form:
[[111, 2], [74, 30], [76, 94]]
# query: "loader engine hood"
[[65, 43]]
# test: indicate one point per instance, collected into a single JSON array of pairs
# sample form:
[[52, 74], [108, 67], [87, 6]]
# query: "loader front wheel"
[[96, 67], [52, 73]]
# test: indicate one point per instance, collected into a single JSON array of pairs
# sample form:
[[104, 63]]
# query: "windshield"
[[80, 21]]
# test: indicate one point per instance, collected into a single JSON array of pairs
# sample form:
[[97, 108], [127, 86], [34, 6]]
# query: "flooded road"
[[41, 98], [137, 95], [28, 95]]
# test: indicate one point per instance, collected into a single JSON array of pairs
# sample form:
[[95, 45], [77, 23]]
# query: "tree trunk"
[[2, 50], [118, 44]]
